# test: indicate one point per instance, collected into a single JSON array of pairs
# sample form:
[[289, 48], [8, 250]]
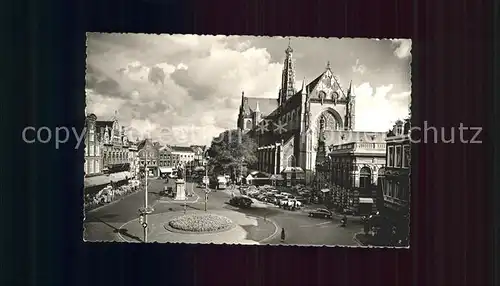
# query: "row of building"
[[111, 157], [311, 131]]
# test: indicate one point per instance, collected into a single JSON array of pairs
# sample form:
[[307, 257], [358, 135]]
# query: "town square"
[[247, 140]]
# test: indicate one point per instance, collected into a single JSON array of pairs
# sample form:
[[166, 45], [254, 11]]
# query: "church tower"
[[288, 76]]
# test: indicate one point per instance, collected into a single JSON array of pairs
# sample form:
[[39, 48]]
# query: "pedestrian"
[[283, 234]]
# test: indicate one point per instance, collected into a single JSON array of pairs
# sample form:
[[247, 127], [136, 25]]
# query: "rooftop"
[[185, 149], [266, 105]]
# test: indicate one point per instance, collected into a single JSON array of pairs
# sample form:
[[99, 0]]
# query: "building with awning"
[[166, 170], [92, 185], [120, 178]]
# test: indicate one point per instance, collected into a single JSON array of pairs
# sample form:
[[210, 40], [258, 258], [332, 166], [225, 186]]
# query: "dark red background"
[[452, 47]]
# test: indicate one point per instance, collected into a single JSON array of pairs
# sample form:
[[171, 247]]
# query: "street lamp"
[[241, 171], [143, 212], [206, 180]]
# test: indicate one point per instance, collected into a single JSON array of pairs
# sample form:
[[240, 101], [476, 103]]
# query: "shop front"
[[119, 179], [153, 171], [165, 171], [92, 185]]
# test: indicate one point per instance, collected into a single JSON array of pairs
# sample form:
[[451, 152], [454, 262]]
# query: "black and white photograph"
[[251, 140]]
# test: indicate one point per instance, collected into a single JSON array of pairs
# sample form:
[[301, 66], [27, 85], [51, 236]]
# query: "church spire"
[[350, 109], [257, 109], [288, 76], [304, 87]]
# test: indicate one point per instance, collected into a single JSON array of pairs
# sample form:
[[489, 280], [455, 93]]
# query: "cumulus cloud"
[[187, 89], [402, 48], [377, 108]]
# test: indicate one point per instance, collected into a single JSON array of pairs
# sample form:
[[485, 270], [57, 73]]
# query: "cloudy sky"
[[185, 89]]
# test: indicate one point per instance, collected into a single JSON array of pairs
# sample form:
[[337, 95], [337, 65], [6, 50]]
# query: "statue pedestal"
[[180, 188]]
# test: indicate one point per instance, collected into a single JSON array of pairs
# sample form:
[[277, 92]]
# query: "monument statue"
[[180, 173], [180, 185]]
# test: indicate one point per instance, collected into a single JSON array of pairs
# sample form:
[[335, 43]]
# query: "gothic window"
[[335, 96], [322, 96], [328, 121], [291, 161]]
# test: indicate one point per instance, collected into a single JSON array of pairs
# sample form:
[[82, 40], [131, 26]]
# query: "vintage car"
[[292, 204], [240, 201], [324, 213]]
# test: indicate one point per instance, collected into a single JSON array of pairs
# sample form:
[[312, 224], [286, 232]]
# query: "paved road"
[[104, 223]]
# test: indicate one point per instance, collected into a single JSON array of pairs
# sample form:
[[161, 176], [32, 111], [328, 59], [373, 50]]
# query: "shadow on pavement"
[[123, 231], [91, 218], [192, 207]]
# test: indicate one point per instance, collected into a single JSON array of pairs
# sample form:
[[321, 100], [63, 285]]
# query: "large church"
[[288, 128]]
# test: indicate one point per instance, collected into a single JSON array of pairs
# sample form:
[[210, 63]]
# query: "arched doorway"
[[365, 176]]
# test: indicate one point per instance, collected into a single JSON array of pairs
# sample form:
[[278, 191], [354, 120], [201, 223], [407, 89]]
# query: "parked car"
[[321, 213], [291, 203], [241, 201], [302, 200], [261, 197], [348, 212]]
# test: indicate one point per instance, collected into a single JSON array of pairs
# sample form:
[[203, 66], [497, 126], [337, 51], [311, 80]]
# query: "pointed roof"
[[288, 75], [349, 90], [289, 48], [257, 107], [304, 87], [182, 149], [265, 105], [312, 85]]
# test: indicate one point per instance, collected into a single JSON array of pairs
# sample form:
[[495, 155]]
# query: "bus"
[[221, 182]]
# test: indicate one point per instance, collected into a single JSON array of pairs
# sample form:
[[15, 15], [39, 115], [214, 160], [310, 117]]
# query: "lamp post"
[[143, 212], [206, 178], [241, 171]]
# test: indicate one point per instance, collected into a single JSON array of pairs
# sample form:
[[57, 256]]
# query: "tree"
[[230, 151]]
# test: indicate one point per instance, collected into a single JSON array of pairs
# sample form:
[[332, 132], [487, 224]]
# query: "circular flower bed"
[[201, 223]]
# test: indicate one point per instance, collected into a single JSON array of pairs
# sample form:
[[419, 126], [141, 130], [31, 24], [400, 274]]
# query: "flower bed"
[[201, 223]]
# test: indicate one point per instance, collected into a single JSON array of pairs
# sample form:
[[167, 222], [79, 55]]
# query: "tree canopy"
[[230, 150]]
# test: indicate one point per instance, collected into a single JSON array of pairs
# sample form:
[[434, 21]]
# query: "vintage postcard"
[[247, 140]]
